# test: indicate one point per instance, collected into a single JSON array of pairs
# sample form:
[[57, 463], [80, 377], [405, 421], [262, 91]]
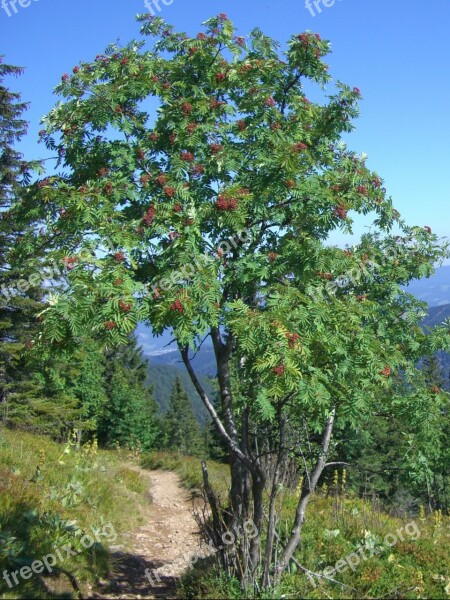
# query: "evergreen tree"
[[182, 431], [130, 413]]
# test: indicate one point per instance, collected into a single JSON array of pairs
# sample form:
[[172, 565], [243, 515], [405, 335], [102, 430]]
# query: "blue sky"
[[397, 53]]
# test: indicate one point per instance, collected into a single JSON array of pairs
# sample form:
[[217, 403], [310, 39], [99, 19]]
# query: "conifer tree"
[[182, 431]]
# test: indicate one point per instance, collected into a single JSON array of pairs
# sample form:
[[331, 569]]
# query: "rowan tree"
[[200, 187]]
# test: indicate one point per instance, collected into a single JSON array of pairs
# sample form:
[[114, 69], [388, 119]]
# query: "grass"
[[51, 496], [399, 558], [190, 471]]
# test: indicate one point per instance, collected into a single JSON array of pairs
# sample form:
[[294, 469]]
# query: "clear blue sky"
[[396, 52]]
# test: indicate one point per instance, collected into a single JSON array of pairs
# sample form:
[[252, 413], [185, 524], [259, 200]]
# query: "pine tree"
[[182, 431], [130, 412]]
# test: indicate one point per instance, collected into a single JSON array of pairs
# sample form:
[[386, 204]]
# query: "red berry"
[[145, 178], [118, 282], [177, 207], [170, 191], [109, 325], [215, 148], [119, 256], [427, 229], [272, 256], [109, 188], [222, 17], [125, 306], [76, 70], [275, 126], [161, 179], [172, 138], [240, 41], [193, 50], [270, 101], [197, 170], [340, 212], [220, 77], [436, 390], [149, 215], [103, 171], [65, 77], [292, 339], [186, 108], [192, 127], [300, 147], [278, 370], [141, 154], [242, 125], [202, 36], [386, 371], [362, 297], [177, 306], [357, 91], [362, 190], [155, 78], [187, 156], [153, 137]]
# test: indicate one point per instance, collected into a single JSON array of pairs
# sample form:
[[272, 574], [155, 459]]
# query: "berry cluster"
[[220, 77], [83, 189], [161, 179], [275, 126], [140, 154], [216, 103], [226, 204], [172, 138], [70, 262], [363, 190], [272, 256], [292, 339], [145, 178], [177, 207], [154, 137], [362, 297], [340, 212], [197, 170], [278, 370], [215, 148], [125, 306], [186, 108], [149, 215], [326, 276], [118, 282], [119, 256], [192, 127], [170, 191], [242, 125], [427, 229], [109, 188], [109, 325], [270, 101], [435, 389], [386, 371], [187, 156], [177, 306], [300, 147]]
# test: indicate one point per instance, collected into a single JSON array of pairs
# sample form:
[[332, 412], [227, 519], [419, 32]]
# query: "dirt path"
[[153, 557]]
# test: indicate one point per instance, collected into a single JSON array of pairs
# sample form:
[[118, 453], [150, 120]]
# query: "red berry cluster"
[[348, 252], [326, 276], [220, 77], [124, 61], [173, 235], [29, 344], [242, 125], [376, 182], [197, 171], [215, 148], [155, 78], [292, 339], [109, 188], [140, 154], [435, 389], [119, 109], [125, 306], [300, 147], [187, 156], [109, 325], [226, 204], [65, 77], [103, 172], [44, 183], [386, 371], [340, 212], [336, 188], [222, 17], [118, 282], [172, 138], [270, 101], [186, 108], [154, 137], [427, 229], [240, 41], [177, 207], [357, 91], [149, 215], [170, 191], [192, 127], [362, 297], [83, 189], [193, 50], [290, 183], [145, 178], [119, 256], [161, 179], [363, 190], [272, 256], [202, 36], [216, 103], [177, 306], [76, 70], [278, 370], [275, 126], [70, 262]]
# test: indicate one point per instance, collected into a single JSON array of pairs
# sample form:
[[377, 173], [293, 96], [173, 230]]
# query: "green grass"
[[417, 566], [190, 471], [53, 495]]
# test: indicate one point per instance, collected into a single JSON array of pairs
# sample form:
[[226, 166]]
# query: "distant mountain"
[[436, 315], [435, 290]]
